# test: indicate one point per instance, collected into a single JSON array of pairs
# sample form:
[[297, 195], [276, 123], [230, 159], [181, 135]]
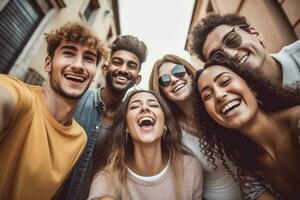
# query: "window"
[[109, 35], [34, 78], [18, 20], [89, 9], [209, 8]]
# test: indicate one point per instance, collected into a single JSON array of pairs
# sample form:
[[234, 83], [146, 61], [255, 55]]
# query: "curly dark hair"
[[225, 143], [132, 44], [206, 25], [78, 33]]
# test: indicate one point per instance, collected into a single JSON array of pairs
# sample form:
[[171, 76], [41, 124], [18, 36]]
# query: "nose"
[[144, 108], [123, 70], [174, 79], [230, 53], [123, 67], [78, 64], [220, 94]]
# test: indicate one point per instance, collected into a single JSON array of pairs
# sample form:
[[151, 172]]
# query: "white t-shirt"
[[160, 186], [218, 183]]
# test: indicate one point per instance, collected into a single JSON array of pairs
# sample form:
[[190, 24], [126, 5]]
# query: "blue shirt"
[[89, 115]]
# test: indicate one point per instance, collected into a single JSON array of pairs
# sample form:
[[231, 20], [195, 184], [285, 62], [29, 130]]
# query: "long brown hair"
[[114, 152]]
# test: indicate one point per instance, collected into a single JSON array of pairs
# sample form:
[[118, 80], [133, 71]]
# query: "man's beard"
[[109, 81], [57, 88]]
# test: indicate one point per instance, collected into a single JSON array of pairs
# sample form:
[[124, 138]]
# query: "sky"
[[161, 24]]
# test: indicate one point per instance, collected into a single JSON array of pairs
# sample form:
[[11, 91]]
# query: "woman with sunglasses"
[[171, 78], [252, 123], [142, 157]]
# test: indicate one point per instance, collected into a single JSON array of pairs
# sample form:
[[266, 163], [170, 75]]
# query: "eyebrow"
[[91, 53], [69, 47], [214, 80], [139, 101], [116, 58], [73, 48], [152, 100]]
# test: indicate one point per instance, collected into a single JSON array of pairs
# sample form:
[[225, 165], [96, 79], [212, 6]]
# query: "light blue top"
[[289, 58]]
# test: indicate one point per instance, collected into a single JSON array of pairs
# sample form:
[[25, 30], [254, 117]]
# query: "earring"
[[164, 133], [126, 135], [258, 101]]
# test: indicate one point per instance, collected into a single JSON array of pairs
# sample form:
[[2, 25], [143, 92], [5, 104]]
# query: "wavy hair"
[[78, 33], [154, 76], [228, 143], [114, 152]]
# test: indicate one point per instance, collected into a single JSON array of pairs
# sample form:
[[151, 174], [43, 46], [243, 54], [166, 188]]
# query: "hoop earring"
[[164, 133], [126, 135], [258, 101]]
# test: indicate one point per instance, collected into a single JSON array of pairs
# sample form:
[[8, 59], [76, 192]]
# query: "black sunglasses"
[[232, 41], [177, 71]]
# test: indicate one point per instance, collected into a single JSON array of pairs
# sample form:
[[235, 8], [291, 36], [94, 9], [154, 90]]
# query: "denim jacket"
[[89, 115]]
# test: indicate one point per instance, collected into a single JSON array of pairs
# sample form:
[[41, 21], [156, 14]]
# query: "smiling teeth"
[[121, 77], [79, 78], [178, 87], [229, 106], [145, 119], [244, 59]]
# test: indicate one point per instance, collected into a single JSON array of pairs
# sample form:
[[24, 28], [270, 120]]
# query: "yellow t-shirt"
[[36, 152]]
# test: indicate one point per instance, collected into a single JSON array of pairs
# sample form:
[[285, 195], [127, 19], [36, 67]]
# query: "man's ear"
[[104, 68], [255, 32], [48, 64], [138, 80]]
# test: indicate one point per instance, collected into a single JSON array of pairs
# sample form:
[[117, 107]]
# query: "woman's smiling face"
[[179, 88], [227, 97], [145, 118]]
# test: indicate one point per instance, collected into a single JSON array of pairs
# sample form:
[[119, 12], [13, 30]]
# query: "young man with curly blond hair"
[[40, 141]]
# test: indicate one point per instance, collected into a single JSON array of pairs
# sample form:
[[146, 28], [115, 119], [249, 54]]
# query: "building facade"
[[24, 22]]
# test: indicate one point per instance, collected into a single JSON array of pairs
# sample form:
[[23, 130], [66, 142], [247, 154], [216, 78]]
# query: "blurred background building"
[[277, 20], [24, 22]]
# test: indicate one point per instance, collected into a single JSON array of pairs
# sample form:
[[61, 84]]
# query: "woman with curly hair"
[[141, 156], [252, 123], [171, 78]]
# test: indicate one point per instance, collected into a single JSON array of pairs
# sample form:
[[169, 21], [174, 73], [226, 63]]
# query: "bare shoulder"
[[290, 116]]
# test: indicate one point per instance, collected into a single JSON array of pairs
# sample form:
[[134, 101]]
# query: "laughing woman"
[[255, 124], [145, 159], [171, 77]]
